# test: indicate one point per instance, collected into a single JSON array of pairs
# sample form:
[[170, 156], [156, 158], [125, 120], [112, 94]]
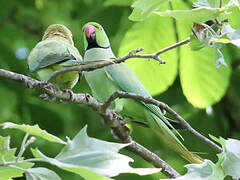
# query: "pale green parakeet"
[[55, 52], [103, 82]]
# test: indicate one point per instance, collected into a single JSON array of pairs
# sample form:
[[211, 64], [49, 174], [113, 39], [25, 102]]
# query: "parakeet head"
[[58, 31], [94, 36]]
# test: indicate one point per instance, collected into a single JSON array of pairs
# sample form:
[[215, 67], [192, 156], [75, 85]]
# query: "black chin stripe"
[[95, 45]]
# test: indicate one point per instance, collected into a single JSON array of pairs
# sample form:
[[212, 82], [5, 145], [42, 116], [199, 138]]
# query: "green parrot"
[[103, 82], [55, 52]]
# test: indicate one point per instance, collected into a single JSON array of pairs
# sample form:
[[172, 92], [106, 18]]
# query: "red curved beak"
[[89, 30]]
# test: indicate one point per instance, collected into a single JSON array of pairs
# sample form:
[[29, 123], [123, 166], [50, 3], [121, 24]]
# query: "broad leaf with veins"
[[93, 159]]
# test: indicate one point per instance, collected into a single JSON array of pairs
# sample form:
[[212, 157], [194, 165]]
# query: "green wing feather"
[[49, 56], [49, 52]]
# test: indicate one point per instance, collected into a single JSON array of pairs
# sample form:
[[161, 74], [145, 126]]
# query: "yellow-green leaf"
[[152, 36], [203, 84], [198, 15], [33, 130]]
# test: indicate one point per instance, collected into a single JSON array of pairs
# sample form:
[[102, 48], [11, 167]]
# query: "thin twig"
[[173, 46], [90, 66], [111, 118], [149, 100]]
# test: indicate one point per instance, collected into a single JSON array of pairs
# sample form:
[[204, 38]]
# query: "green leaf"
[[8, 155], [198, 15], [205, 171], [33, 130], [230, 157], [203, 84], [144, 8], [207, 3], [118, 3], [155, 78], [229, 35], [41, 174], [92, 158], [196, 44]]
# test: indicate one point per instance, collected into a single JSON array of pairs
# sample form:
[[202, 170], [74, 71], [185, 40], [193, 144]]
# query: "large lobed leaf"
[[155, 78], [229, 159], [92, 158], [33, 130], [8, 155]]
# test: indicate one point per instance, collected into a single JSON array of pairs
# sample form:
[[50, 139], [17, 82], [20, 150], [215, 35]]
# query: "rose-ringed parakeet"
[[55, 52], [103, 82]]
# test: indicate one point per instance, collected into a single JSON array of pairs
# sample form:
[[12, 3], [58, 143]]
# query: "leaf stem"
[[22, 149]]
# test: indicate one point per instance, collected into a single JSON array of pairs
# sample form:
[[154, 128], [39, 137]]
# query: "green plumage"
[[55, 52], [103, 82]]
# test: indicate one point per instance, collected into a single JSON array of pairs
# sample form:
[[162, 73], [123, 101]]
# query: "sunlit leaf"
[[152, 36], [198, 15], [207, 10], [143, 8], [33, 130], [41, 174], [8, 155], [93, 159], [203, 84], [205, 171]]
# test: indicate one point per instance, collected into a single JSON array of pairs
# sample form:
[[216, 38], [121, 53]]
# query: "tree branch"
[[149, 100], [91, 65], [111, 118]]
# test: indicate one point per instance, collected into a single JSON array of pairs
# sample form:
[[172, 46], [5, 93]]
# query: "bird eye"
[[100, 28]]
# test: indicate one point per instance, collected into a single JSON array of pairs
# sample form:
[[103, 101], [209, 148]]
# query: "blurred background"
[[22, 24]]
